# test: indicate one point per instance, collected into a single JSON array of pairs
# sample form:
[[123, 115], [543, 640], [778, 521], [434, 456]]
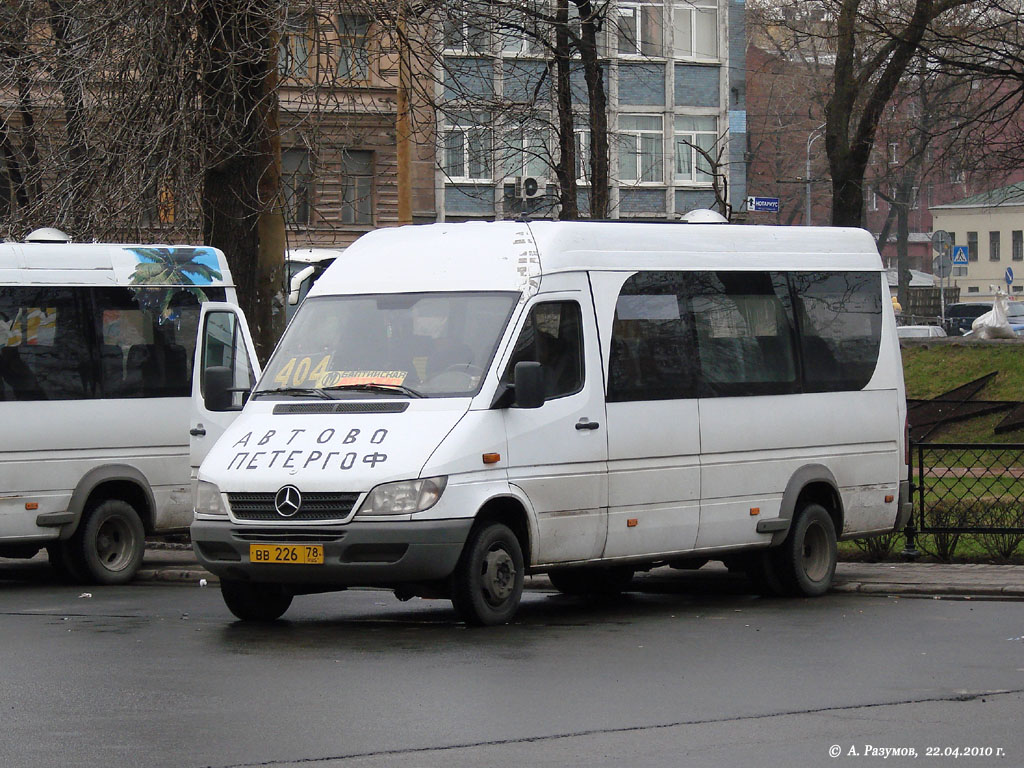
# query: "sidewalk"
[[178, 564]]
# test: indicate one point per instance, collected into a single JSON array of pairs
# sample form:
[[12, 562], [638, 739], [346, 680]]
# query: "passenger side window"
[[745, 339], [44, 351], [147, 339], [840, 318], [652, 354], [553, 337]]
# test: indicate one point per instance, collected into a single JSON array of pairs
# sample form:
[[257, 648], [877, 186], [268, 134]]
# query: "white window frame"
[[694, 10], [524, 152], [696, 159], [635, 137], [469, 130], [582, 138], [353, 48], [512, 42], [639, 10], [467, 31]]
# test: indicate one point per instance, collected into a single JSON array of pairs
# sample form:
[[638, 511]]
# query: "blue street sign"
[[1009, 275], [960, 255], [764, 204]]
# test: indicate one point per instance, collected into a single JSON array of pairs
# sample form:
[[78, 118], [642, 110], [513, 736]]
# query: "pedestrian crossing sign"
[[960, 255]]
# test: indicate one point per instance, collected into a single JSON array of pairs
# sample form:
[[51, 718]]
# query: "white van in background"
[[304, 266], [462, 404], [96, 349]]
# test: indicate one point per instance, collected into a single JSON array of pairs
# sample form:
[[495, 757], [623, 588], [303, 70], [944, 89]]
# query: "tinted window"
[[147, 339], [59, 343], [840, 319], [652, 353], [43, 349], [744, 333], [552, 336]]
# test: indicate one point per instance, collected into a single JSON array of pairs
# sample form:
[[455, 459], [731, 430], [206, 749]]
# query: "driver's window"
[[552, 336], [225, 353]]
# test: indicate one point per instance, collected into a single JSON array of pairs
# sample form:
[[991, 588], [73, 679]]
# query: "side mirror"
[[217, 381], [529, 384]]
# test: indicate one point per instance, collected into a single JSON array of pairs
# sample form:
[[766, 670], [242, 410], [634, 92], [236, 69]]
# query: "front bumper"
[[355, 554]]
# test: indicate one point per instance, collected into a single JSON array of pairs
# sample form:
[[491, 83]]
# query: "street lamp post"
[[812, 137]]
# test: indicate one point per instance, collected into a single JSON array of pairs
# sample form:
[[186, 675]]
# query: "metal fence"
[[967, 488]]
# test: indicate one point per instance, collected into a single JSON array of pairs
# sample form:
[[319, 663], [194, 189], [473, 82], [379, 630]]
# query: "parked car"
[[1015, 316], [959, 317], [305, 265], [920, 332]]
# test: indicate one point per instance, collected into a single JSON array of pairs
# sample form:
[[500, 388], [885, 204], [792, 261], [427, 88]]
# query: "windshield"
[[407, 344]]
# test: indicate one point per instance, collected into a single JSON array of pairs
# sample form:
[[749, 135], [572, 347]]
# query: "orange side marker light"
[[755, 511], [888, 498], [31, 505], [492, 458], [631, 522]]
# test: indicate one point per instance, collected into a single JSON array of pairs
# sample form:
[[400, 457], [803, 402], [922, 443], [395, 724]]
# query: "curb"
[[193, 575]]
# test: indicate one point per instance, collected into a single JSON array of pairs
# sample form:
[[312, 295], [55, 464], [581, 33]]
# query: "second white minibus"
[[96, 347], [458, 405]]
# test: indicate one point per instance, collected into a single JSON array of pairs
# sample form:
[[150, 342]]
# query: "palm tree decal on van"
[[189, 267]]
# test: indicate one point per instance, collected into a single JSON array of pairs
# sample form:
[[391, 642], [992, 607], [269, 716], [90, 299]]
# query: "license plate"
[[287, 554]]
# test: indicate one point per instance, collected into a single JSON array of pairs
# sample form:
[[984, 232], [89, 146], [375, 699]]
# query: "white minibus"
[[458, 405], [96, 348]]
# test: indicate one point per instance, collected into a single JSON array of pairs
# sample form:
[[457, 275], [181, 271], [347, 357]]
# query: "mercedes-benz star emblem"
[[287, 501]]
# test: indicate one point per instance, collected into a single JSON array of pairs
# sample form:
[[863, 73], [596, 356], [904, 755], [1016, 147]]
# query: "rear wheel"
[[596, 581], [806, 561], [487, 585], [255, 602], [109, 544]]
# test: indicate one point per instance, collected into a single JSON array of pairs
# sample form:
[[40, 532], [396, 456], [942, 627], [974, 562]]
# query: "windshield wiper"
[[293, 391], [377, 387]]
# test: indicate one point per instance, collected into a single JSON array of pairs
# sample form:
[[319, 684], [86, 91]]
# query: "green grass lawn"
[[932, 369]]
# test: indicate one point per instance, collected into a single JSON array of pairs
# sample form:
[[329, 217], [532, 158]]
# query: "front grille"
[[274, 536], [315, 506]]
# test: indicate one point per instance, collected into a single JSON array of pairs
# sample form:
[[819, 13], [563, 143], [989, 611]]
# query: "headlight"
[[209, 500], [403, 497]]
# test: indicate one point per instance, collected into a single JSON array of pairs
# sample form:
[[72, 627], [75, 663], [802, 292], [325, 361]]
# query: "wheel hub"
[[499, 575]]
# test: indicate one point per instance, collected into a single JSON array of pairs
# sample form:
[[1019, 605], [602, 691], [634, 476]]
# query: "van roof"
[[513, 255], [111, 264]]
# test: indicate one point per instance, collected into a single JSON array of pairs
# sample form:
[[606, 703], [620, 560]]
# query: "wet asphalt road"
[[162, 676]]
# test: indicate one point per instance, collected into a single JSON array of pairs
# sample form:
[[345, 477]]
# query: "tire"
[[109, 544], [64, 563], [255, 602], [596, 582], [806, 561], [487, 584], [763, 572]]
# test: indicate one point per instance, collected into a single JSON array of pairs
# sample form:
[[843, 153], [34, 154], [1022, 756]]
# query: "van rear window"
[[728, 334]]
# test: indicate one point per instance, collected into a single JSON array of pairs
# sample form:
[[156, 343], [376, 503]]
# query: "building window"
[[972, 246], [695, 139], [467, 148], [357, 187], [293, 50], [872, 200], [915, 198], [641, 148], [353, 56], [522, 31], [524, 153], [894, 153], [993, 246], [638, 29], [1018, 288], [464, 33], [695, 30], [296, 184], [973, 289], [1018, 245]]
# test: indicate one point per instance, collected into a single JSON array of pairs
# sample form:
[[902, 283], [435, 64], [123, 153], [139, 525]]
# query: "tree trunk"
[[565, 168], [240, 179], [600, 201]]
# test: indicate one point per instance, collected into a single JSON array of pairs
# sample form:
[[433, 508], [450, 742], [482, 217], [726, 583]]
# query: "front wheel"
[[487, 585], [806, 561], [109, 544], [255, 602]]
